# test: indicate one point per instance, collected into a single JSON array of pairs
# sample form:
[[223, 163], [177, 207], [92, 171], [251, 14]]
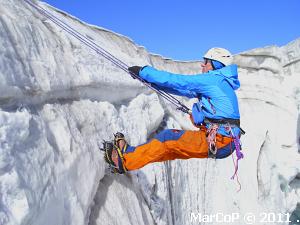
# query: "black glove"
[[135, 70]]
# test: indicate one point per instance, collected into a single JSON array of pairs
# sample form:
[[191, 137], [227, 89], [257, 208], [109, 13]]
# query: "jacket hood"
[[230, 73]]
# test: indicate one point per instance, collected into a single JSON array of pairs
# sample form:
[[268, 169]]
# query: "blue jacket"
[[214, 89]]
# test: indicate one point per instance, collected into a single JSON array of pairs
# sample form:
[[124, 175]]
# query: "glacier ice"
[[59, 100]]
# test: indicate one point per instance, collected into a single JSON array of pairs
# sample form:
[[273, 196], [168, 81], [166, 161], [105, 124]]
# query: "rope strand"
[[99, 50]]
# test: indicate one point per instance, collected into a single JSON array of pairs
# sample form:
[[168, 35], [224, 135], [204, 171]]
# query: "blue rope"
[[99, 50]]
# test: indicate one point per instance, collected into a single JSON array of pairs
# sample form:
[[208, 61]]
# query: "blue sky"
[[184, 30]]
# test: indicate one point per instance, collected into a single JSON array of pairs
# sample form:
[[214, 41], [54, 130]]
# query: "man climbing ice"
[[216, 114]]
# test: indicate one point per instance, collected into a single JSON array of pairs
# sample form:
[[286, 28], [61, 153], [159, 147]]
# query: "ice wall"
[[59, 100]]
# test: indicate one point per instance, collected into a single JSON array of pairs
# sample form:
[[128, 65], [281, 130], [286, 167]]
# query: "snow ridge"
[[59, 100]]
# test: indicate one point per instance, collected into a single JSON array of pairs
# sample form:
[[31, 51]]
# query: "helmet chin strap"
[[212, 64], [216, 64]]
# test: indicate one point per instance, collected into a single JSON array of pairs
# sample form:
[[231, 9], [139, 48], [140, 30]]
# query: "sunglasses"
[[206, 61]]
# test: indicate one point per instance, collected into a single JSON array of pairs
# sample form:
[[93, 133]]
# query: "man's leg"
[[167, 145]]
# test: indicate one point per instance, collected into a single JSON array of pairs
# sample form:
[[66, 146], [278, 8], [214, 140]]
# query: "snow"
[[59, 100]]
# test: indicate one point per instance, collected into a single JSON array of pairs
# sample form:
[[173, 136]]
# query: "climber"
[[216, 114]]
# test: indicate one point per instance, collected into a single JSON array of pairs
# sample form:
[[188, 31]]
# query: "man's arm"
[[185, 85]]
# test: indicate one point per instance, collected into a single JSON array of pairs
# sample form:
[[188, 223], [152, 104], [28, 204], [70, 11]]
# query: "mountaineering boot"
[[113, 153], [119, 137], [110, 156]]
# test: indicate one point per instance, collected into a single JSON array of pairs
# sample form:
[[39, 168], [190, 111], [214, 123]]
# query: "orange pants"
[[175, 144]]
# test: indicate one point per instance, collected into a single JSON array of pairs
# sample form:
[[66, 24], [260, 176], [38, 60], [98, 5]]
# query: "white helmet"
[[219, 54]]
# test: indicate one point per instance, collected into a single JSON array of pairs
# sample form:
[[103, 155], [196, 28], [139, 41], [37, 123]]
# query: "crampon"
[[113, 154]]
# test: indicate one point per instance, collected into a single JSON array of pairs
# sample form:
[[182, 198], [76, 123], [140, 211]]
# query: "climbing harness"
[[211, 137], [99, 50]]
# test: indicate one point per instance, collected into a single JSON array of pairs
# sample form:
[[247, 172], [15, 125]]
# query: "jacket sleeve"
[[185, 85], [185, 93]]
